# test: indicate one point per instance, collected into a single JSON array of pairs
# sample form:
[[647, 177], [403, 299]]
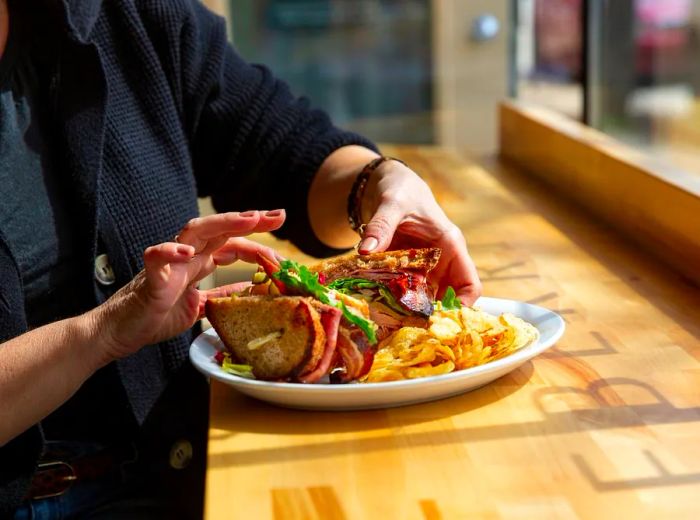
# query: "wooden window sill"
[[655, 205]]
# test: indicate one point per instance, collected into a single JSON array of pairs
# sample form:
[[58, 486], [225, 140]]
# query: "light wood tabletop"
[[606, 424]]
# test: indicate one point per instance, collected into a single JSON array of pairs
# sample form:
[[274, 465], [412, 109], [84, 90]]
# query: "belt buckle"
[[66, 480]]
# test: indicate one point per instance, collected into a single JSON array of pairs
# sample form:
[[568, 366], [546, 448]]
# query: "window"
[[645, 79], [630, 68], [548, 61], [366, 62]]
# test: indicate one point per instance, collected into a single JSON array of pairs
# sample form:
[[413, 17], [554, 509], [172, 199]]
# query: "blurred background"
[[433, 71]]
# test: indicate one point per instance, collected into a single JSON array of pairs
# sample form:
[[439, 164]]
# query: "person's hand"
[[401, 212], [163, 299]]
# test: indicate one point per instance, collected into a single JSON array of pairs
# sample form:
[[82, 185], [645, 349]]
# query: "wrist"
[[86, 333], [365, 195], [103, 323], [328, 194]]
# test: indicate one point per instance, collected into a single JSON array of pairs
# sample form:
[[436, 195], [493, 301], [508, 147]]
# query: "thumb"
[[380, 230]]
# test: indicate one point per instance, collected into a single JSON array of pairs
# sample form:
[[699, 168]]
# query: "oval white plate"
[[394, 393]]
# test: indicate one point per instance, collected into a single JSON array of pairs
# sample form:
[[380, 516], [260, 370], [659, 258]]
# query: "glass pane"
[[549, 54], [366, 62], [647, 76]]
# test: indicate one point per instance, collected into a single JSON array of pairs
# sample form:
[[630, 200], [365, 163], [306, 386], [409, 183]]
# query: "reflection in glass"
[[648, 77], [549, 54]]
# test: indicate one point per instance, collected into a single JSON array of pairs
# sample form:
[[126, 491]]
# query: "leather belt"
[[54, 477]]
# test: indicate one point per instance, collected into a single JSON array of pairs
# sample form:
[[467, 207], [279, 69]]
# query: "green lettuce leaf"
[[297, 276], [347, 285], [350, 285]]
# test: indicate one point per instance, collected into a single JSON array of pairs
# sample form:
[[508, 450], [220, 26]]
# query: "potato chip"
[[454, 340], [424, 371], [444, 328]]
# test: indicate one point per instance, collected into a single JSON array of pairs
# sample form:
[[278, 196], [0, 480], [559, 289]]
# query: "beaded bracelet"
[[358, 190]]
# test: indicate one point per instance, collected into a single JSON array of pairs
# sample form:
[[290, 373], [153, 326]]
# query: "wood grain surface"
[[635, 190], [604, 425]]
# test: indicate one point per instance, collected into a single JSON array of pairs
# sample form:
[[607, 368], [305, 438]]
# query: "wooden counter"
[[604, 425]]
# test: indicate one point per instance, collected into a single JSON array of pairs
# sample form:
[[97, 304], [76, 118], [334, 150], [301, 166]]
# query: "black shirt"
[[35, 213]]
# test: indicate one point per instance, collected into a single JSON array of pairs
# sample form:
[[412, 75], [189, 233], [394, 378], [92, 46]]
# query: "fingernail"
[[183, 249], [248, 214], [279, 257], [273, 213], [368, 245]]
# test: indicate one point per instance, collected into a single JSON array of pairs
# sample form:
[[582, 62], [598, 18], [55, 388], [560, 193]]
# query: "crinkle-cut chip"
[[423, 353], [445, 328], [456, 339], [424, 371], [405, 338], [494, 337], [525, 333], [475, 319], [477, 340], [383, 358], [445, 351], [485, 355], [384, 374]]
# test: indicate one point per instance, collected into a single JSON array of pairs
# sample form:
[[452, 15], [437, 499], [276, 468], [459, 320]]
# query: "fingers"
[[243, 249], [199, 232], [461, 272], [380, 229], [157, 259], [469, 290]]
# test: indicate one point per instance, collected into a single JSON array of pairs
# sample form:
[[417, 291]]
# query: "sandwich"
[[393, 283], [322, 323]]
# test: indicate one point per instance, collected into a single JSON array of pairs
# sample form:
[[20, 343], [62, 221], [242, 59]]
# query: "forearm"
[[41, 369], [328, 196]]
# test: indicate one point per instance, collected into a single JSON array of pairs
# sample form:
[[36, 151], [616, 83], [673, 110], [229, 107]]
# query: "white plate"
[[363, 396]]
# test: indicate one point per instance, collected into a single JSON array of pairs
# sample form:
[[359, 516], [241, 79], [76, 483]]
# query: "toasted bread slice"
[[278, 336], [423, 260]]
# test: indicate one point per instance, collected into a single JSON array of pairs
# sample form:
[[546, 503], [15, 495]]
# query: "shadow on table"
[[605, 412], [670, 292]]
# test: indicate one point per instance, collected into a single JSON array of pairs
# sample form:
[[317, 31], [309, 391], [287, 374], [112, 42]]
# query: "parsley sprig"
[[450, 300]]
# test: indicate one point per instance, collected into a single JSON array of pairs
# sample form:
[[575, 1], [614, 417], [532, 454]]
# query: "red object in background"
[[559, 38], [662, 37], [663, 13]]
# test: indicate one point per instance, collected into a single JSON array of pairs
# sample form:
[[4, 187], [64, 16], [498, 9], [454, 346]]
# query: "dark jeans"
[[150, 488], [118, 494]]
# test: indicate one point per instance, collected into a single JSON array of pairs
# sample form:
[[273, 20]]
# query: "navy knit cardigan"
[[154, 108]]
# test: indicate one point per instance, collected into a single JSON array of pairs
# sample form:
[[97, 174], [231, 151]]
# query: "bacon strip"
[[351, 357], [367, 351], [330, 320]]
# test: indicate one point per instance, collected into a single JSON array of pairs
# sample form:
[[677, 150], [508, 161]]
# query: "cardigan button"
[[180, 454], [104, 273]]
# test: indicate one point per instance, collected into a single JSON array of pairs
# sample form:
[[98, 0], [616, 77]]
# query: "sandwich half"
[[305, 325], [280, 337]]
